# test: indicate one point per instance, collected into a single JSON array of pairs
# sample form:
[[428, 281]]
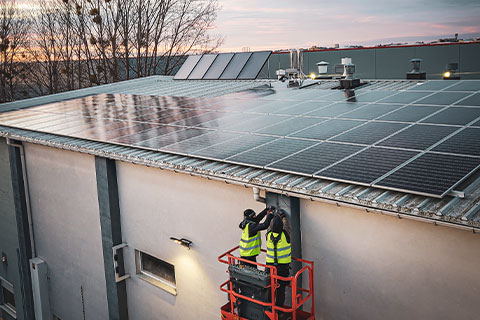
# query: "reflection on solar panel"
[[254, 65], [218, 66], [187, 67], [377, 143], [202, 66], [235, 66]]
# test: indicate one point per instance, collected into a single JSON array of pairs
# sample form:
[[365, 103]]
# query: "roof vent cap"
[[322, 67]]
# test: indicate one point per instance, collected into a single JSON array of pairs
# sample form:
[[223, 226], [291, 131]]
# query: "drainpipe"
[[27, 193], [257, 197]]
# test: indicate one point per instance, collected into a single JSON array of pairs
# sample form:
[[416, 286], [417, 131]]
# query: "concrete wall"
[[156, 205], [370, 266], [67, 230], [392, 62], [8, 228]]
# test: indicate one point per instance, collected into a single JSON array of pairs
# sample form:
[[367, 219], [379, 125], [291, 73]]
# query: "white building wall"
[[156, 205], [66, 225], [370, 266]]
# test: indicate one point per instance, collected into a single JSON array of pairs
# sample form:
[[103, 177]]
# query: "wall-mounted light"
[[183, 242]]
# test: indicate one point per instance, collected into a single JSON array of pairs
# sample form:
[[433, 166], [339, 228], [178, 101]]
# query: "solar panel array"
[[408, 140], [223, 66]]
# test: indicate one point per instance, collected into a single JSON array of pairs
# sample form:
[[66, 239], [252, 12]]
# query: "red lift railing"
[[299, 295]]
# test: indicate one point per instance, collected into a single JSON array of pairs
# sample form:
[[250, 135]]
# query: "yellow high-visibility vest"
[[250, 246], [283, 249]]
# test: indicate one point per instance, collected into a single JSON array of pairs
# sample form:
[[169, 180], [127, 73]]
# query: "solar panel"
[[235, 65], [202, 66], [473, 100], [336, 109], [229, 148], [327, 129], [254, 65], [290, 126], [187, 67], [476, 123], [405, 97], [301, 108], [368, 165], [370, 111], [465, 85], [218, 66], [443, 98], [454, 116], [410, 113], [431, 174], [271, 152], [370, 132], [297, 131], [315, 158], [418, 137], [432, 85], [466, 141]]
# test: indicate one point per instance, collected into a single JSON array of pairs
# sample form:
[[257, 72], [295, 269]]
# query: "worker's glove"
[[270, 209], [282, 214]]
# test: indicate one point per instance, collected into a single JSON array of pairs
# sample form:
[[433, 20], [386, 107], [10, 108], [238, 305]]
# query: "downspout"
[[27, 193], [256, 195]]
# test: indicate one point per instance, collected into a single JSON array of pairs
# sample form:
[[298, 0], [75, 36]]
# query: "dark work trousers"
[[283, 270], [252, 258]]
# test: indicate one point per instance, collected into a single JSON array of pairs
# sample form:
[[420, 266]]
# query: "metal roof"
[[461, 209]]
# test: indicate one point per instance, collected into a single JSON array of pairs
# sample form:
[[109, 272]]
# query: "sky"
[[283, 24]]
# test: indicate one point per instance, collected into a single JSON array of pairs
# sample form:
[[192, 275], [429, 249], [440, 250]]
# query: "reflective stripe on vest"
[[249, 246], [284, 249]]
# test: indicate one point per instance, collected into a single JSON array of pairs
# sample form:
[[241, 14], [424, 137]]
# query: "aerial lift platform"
[[251, 291]]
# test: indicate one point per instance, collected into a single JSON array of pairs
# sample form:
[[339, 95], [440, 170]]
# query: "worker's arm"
[[253, 228], [259, 217]]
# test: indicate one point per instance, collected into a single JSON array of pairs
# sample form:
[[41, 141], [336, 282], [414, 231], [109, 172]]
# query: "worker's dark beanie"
[[248, 213], [277, 225]]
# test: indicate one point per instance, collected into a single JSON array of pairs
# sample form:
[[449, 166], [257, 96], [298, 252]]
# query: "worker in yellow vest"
[[251, 242], [279, 252]]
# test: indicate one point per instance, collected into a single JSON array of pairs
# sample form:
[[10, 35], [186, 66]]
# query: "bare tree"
[[14, 27]]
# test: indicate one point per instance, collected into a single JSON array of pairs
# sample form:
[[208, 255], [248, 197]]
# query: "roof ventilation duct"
[[451, 70], [323, 70], [416, 74], [348, 81], [294, 74]]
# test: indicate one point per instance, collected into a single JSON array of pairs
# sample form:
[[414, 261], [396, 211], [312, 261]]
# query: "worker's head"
[[249, 213], [277, 225]]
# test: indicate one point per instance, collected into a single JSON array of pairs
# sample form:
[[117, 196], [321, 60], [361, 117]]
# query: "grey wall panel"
[[369, 266], [67, 230], [393, 63], [435, 59], [469, 65], [8, 228], [333, 57]]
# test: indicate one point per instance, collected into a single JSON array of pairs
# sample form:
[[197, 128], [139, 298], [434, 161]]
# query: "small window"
[[155, 271], [8, 309]]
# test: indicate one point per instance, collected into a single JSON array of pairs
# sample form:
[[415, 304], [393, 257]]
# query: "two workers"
[[278, 243]]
